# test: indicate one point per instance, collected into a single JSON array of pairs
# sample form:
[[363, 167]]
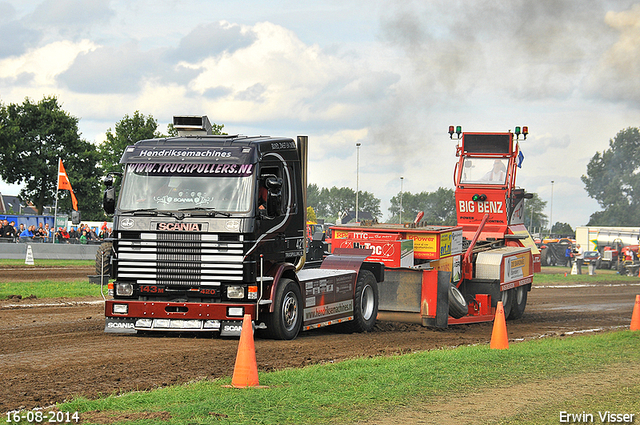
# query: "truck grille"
[[178, 259]]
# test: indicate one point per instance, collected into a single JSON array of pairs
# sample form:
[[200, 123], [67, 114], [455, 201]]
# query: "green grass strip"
[[555, 276], [51, 289], [362, 389]]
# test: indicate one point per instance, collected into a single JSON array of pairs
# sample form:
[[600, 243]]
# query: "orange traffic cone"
[[245, 372], [499, 340], [635, 318]]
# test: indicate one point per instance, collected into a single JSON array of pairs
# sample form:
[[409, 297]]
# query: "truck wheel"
[[457, 304], [103, 259], [507, 301], [286, 319], [365, 304], [544, 256], [548, 258], [622, 270], [519, 302]]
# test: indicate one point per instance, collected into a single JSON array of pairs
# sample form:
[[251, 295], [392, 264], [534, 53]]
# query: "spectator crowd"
[[83, 234]]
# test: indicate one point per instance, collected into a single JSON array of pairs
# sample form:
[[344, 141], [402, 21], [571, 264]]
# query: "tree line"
[[33, 135]]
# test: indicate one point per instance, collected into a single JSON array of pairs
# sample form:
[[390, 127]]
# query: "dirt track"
[[51, 353]]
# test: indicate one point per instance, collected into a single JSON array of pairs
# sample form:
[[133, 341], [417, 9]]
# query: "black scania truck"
[[208, 228]]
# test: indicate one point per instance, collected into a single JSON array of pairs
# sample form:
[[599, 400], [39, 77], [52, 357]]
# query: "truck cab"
[[208, 228]]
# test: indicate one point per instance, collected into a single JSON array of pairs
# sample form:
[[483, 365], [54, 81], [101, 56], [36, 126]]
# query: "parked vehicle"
[[592, 257]]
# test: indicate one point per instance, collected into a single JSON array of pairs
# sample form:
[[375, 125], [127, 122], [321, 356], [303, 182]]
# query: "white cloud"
[[392, 77], [44, 63], [616, 75]]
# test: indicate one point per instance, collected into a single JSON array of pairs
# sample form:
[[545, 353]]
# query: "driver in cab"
[[497, 173]]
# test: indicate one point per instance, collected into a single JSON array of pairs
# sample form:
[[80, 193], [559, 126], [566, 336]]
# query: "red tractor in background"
[[627, 260]]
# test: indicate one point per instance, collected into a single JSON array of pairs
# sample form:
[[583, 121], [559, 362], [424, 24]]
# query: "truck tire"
[[507, 301], [519, 302], [365, 304], [103, 259], [286, 320], [457, 304], [622, 270]]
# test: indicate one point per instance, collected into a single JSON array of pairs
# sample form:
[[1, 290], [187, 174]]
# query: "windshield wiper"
[[153, 212], [212, 212]]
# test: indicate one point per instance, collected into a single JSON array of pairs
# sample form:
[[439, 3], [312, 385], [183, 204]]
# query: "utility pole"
[[551, 212], [401, 187], [357, 177]]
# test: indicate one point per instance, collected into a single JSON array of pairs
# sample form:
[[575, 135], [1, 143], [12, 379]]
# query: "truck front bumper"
[[127, 316]]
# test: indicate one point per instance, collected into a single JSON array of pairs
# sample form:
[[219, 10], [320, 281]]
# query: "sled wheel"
[[519, 302], [457, 304], [507, 301]]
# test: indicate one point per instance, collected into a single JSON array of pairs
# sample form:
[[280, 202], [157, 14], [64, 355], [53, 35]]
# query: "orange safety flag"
[[64, 183]]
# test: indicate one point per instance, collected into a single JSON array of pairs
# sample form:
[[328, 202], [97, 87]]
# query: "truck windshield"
[[185, 186], [484, 171]]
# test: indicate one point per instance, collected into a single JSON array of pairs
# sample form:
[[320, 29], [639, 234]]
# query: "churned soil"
[[53, 350], [24, 273]]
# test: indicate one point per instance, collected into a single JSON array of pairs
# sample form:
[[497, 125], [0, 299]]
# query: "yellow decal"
[[516, 267], [424, 245], [340, 234], [445, 244]]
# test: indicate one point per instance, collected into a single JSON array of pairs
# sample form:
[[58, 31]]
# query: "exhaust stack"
[[192, 125], [303, 149]]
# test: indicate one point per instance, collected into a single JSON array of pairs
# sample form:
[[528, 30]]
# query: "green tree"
[[313, 199], [613, 180], [332, 203], [534, 217], [562, 229], [439, 207], [311, 215], [32, 138], [128, 131]]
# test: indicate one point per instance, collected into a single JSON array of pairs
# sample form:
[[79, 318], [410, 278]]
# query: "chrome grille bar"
[[180, 259]]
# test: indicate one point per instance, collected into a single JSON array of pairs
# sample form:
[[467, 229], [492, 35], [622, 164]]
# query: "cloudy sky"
[[391, 75]]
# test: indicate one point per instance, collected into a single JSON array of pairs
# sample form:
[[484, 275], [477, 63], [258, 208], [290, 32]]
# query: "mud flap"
[[442, 305], [231, 328], [120, 325]]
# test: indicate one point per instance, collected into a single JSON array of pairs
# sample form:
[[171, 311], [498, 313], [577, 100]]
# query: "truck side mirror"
[[109, 198]]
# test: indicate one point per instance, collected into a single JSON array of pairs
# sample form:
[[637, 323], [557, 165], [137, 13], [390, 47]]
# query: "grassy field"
[[50, 289], [555, 276], [365, 390]]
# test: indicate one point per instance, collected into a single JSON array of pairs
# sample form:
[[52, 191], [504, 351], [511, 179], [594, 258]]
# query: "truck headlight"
[[120, 309], [235, 312], [212, 324], [236, 292], [124, 289], [144, 323]]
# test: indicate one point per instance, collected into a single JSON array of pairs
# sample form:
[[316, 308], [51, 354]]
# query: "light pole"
[[357, 176], [401, 185], [551, 211]]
